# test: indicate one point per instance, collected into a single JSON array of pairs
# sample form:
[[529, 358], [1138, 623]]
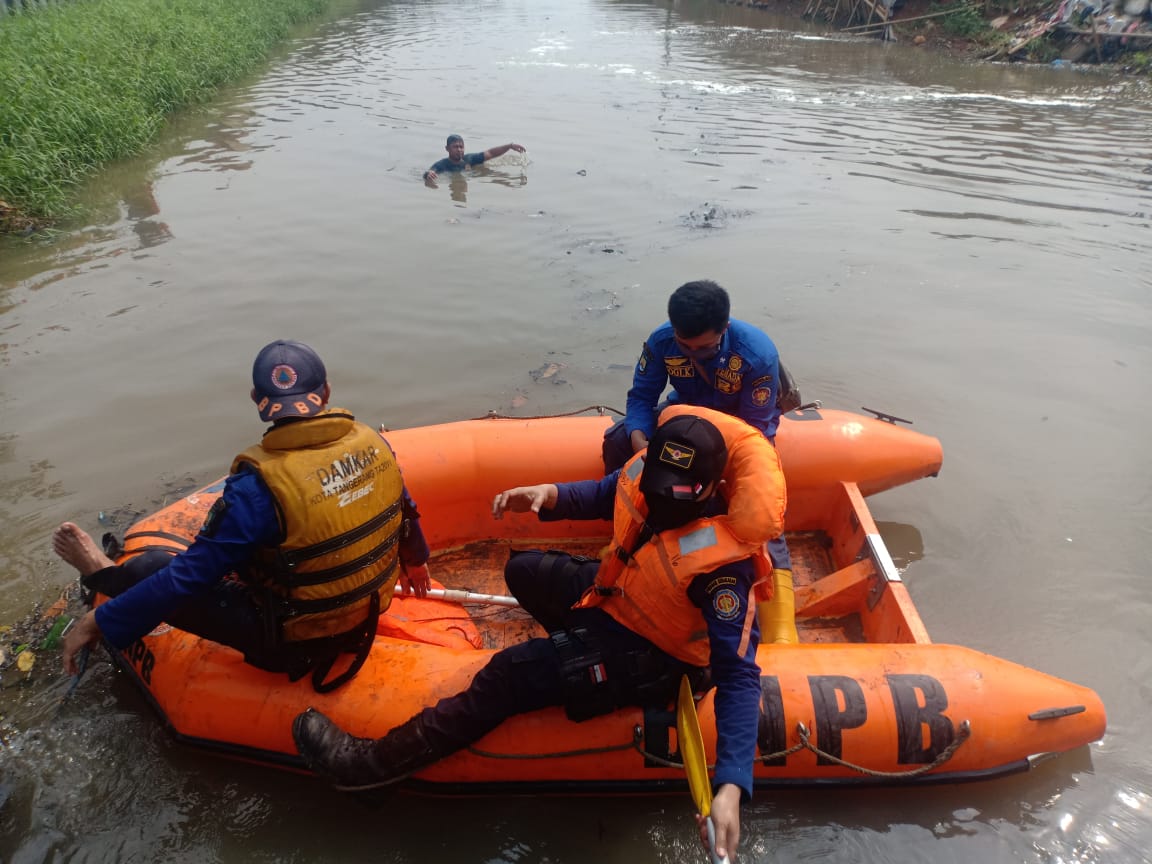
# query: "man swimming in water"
[[458, 160]]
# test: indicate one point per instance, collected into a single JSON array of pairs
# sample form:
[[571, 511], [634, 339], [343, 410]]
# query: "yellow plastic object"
[[778, 615], [25, 660], [696, 762], [692, 749]]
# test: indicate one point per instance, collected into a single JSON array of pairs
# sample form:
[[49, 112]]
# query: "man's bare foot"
[[78, 548]]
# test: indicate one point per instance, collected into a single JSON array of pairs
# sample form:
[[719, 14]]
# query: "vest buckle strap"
[[289, 559], [608, 591]]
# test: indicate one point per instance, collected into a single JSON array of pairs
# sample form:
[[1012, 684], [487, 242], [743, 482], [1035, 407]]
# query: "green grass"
[[965, 21], [92, 81], [1140, 61]]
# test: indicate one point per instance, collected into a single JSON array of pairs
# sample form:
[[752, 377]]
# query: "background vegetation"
[[90, 82]]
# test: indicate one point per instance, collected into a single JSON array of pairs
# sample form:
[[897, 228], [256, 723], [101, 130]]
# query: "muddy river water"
[[962, 245]]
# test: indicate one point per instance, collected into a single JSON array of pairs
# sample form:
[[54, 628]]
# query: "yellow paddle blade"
[[692, 749]]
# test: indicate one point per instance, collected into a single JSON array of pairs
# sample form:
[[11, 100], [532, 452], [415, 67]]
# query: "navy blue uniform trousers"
[[529, 676], [228, 614]]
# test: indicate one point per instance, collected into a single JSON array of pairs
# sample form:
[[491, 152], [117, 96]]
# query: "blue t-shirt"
[[446, 164], [742, 379], [736, 673], [248, 521]]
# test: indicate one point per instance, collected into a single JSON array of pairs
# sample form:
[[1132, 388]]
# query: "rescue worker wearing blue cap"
[[315, 520]]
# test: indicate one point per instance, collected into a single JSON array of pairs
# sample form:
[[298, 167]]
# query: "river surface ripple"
[[965, 245]]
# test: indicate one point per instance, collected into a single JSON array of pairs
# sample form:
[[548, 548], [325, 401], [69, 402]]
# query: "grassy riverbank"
[[89, 82]]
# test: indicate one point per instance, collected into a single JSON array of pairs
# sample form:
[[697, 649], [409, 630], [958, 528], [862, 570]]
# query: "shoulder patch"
[[212, 520], [645, 357], [726, 603]]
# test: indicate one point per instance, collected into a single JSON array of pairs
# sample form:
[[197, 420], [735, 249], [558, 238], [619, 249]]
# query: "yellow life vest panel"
[[643, 581], [338, 493]]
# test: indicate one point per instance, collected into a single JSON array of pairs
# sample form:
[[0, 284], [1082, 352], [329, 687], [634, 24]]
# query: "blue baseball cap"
[[288, 380]]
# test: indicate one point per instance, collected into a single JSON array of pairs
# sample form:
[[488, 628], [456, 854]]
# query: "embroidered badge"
[[642, 363], [283, 377], [680, 455], [728, 381], [734, 363], [726, 603], [760, 396], [212, 520]]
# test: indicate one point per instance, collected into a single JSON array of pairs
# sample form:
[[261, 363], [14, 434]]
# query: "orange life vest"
[[644, 584], [753, 481], [338, 493]]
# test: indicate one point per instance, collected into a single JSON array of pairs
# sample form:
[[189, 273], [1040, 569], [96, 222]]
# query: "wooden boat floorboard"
[[479, 567]]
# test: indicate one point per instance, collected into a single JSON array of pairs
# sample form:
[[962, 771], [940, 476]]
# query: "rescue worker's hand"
[[639, 441], [85, 632], [525, 498], [430, 178], [726, 821], [415, 580]]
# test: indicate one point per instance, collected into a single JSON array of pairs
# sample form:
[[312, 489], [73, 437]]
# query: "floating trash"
[[548, 370], [59, 628], [25, 660]]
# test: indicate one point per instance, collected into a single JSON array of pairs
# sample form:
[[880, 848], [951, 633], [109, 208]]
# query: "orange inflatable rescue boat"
[[864, 697]]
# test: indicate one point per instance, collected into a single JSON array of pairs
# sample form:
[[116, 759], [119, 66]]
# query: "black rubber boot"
[[354, 764]]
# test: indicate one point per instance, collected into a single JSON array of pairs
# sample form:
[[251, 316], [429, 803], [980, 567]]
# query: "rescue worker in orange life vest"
[[618, 635], [711, 360], [315, 520]]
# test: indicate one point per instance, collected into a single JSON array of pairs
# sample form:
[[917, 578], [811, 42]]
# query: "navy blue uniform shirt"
[[742, 379], [248, 521]]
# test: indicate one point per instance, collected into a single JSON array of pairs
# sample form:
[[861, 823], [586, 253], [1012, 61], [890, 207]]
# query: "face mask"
[[702, 355], [704, 352], [665, 513]]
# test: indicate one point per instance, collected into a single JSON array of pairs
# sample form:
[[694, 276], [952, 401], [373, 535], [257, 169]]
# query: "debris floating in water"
[[548, 370], [25, 660], [41, 629]]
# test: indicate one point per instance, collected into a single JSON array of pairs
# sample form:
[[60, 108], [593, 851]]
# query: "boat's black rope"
[[599, 409]]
